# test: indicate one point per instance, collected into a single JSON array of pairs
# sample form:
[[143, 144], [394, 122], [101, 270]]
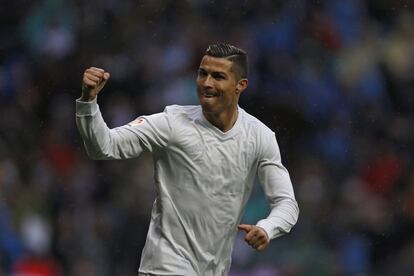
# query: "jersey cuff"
[[268, 227], [86, 108]]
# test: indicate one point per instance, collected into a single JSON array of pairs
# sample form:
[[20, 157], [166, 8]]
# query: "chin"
[[208, 108]]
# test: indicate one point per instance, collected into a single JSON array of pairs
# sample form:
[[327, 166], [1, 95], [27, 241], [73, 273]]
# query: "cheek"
[[227, 98], [229, 93], [198, 87]]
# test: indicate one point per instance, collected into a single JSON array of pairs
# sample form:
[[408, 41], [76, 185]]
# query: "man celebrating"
[[206, 158]]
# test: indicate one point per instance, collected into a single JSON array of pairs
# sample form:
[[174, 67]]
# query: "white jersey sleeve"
[[144, 133], [277, 186]]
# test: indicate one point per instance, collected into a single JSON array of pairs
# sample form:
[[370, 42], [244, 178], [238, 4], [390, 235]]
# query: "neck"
[[223, 121]]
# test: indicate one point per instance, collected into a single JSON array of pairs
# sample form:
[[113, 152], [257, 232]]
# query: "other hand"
[[256, 237]]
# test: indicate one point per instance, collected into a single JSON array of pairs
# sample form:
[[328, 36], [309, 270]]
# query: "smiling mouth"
[[209, 94]]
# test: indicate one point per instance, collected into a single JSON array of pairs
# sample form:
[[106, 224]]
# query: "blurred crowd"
[[333, 79]]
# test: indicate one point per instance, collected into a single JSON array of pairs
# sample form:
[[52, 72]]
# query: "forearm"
[[100, 141], [278, 188], [283, 216]]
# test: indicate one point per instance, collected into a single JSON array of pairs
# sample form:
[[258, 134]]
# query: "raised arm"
[[128, 141]]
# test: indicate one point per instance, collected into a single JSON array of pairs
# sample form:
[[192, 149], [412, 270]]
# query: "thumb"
[[106, 76], [245, 227], [104, 79]]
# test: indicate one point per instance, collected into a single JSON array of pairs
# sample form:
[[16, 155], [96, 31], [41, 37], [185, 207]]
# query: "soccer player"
[[206, 158]]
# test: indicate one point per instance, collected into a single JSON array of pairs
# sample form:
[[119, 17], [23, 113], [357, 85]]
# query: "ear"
[[241, 85]]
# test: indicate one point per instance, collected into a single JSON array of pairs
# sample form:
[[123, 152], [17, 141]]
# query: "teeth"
[[209, 94]]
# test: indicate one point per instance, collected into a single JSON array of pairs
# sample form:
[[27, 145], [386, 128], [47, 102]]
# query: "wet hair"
[[232, 53]]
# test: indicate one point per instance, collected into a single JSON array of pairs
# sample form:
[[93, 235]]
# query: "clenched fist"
[[256, 237], [94, 79]]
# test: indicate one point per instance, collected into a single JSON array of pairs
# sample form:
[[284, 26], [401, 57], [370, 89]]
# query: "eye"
[[219, 76], [201, 73]]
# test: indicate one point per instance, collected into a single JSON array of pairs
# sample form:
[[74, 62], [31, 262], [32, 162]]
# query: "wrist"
[[87, 95], [265, 232], [87, 98]]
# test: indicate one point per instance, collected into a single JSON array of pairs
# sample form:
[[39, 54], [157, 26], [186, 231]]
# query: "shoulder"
[[182, 111], [251, 123], [265, 137]]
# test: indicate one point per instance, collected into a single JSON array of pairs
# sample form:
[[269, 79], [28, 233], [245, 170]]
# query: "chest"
[[217, 155]]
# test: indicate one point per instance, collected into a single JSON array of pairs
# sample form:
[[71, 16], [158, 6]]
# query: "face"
[[217, 87]]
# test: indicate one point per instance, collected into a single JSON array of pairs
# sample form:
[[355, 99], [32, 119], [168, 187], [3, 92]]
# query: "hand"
[[256, 237], [94, 79]]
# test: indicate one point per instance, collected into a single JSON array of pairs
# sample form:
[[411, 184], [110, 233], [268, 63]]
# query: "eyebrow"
[[212, 72]]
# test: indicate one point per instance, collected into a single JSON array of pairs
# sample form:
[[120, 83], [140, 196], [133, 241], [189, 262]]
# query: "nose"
[[208, 82]]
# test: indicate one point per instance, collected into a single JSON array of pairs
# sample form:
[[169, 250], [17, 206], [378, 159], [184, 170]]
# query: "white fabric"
[[203, 179]]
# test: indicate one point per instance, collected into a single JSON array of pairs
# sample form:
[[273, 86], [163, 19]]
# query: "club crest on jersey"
[[138, 121]]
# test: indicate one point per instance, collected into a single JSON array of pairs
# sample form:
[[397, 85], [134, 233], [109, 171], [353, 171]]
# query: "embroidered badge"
[[137, 121]]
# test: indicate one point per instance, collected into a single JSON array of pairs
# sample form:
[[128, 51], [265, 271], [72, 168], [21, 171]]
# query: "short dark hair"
[[232, 53]]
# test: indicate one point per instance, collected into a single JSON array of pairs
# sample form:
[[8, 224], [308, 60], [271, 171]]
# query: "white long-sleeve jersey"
[[203, 179]]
